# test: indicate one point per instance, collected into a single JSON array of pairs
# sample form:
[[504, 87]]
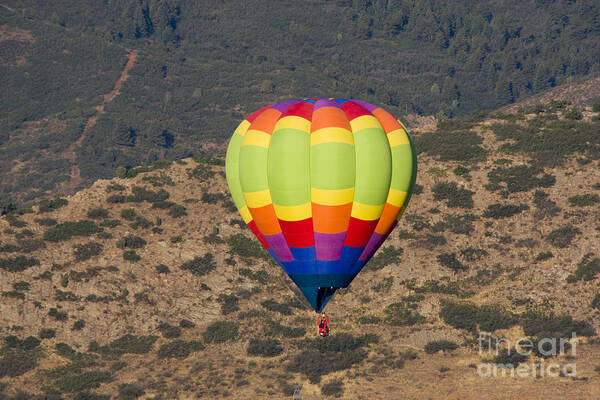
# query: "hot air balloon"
[[321, 183]]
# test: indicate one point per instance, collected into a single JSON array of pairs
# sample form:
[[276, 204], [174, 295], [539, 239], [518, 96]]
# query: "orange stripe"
[[265, 219], [387, 120], [331, 219], [266, 121], [326, 117], [387, 219]]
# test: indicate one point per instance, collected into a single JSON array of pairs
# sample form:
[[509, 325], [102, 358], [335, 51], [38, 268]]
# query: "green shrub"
[[562, 237], [162, 204], [47, 205], [16, 363], [131, 255], [86, 251], [274, 328], [520, 178], [9, 248], [97, 213], [131, 242], [459, 224], [596, 302], [573, 114], [83, 381], [586, 270], [246, 247], [453, 145], [18, 263], [509, 358], [498, 211], [333, 388], [229, 303], [543, 256], [221, 332], [58, 315], [128, 213], [169, 331], [46, 221], [264, 347], [275, 306], [584, 200], [186, 324], [162, 269], [129, 391], [260, 276], [384, 257], [177, 211], [449, 260], [542, 324], [78, 325], [29, 245], [115, 198], [67, 230], [402, 314], [27, 344], [110, 223], [47, 333], [469, 316], [128, 344], [200, 265], [439, 345], [15, 222], [114, 187], [140, 194], [341, 351], [179, 349], [455, 196]]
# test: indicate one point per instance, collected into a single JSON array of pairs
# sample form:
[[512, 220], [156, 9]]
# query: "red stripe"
[[354, 110], [359, 232], [301, 109], [250, 118], [298, 233], [259, 236]]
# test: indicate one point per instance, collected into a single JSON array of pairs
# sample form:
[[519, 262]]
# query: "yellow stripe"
[[293, 213], [258, 199], [256, 138], [396, 197], [366, 212], [331, 134], [242, 128], [364, 122], [245, 213], [293, 122], [397, 137], [332, 197]]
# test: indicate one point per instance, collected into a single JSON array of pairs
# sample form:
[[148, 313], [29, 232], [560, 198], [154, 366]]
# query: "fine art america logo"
[[511, 360]]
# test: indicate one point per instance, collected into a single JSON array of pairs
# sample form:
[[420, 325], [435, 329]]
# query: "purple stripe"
[[284, 105], [368, 106], [325, 103], [280, 248], [328, 246], [374, 242]]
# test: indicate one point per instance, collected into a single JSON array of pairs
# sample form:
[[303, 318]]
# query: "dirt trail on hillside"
[[75, 174]]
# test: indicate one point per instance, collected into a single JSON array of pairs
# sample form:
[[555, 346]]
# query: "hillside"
[[150, 286], [202, 66]]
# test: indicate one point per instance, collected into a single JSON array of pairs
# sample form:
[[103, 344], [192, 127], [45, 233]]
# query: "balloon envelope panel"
[[321, 183]]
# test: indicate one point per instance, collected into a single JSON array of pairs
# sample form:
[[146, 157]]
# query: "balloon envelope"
[[321, 183]]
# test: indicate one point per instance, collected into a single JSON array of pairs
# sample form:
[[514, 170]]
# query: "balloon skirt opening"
[[319, 288]]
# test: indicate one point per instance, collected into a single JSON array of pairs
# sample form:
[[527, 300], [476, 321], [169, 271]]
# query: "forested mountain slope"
[[202, 66]]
